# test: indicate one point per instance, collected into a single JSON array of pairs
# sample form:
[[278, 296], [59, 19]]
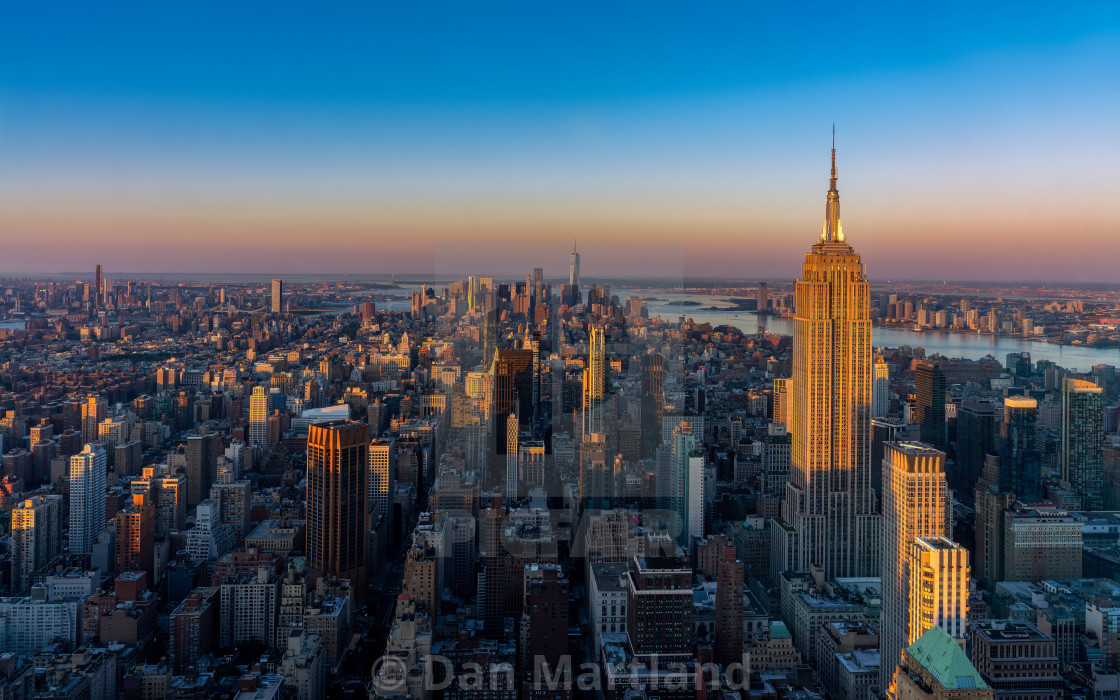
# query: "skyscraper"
[[492, 567], [234, 499], [36, 534], [538, 285], [653, 403], [573, 269], [337, 500], [382, 470], [258, 417], [544, 626], [1082, 432], [202, 462], [992, 509], [490, 340], [511, 457], [939, 577], [535, 346], [729, 607], [782, 396], [1020, 462], [915, 504], [976, 437], [595, 384], [168, 490], [687, 485], [929, 382], [513, 395], [277, 296], [659, 607], [94, 409], [600, 487], [97, 288], [829, 502], [763, 302], [136, 536], [881, 389], [87, 498]]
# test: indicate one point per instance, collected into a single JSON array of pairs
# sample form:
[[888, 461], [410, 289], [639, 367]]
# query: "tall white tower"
[[87, 498]]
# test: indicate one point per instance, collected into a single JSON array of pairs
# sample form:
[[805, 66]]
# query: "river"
[[950, 344]]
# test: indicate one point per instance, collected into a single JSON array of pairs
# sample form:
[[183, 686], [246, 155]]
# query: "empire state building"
[[829, 514]]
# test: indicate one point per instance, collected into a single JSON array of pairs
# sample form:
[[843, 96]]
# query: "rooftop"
[[943, 657], [609, 575], [937, 543], [778, 630], [1007, 630], [916, 448]]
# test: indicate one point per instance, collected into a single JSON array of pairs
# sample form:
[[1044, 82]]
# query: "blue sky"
[[681, 139]]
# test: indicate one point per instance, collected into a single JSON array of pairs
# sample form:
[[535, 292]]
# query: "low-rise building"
[[607, 600], [808, 603], [1016, 659], [29, 623]]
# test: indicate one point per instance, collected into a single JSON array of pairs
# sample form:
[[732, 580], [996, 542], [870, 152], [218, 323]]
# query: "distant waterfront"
[[967, 345]]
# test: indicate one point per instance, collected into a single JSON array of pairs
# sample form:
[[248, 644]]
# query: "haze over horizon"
[[671, 141]]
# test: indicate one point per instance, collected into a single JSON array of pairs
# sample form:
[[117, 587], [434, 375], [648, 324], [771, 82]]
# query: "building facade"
[[87, 498], [915, 504], [939, 593], [829, 502], [1082, 435], [36, 536], [337, 500]]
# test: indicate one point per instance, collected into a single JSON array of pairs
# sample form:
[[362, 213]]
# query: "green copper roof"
[[778, 630], [943, 657]]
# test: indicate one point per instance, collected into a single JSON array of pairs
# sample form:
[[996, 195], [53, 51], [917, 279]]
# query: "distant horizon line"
[[422, 277]]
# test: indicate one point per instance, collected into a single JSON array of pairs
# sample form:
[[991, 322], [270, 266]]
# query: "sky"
[[974, 140]]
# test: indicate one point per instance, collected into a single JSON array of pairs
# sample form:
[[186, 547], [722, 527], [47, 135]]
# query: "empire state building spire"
[[829, 515], [832, 229]]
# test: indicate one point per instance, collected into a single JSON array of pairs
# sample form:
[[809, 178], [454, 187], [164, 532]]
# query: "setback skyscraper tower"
[[829, 509], [915, 504]]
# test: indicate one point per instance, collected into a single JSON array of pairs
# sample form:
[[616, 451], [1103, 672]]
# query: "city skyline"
[[499, 380], [456, 158]]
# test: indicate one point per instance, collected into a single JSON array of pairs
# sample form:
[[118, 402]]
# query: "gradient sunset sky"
[[975, 140]]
